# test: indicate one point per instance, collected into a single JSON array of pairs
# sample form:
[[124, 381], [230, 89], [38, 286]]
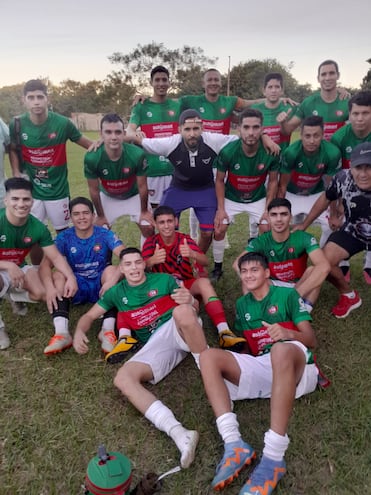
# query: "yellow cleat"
[[121, 349], [228, 340]]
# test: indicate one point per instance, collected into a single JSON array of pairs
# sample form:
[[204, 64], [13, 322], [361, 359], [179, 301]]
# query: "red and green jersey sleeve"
[[307, 171], [346, 141], [216, 115], [287, 259], [245, 175], [270, 124], [44, 154], [117, 179], [281, 305], [334, 114], [144, 308], [17, 241]]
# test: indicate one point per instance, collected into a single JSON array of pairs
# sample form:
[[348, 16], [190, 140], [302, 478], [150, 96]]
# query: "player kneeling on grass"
[[88, 250], [279, 335], [176, 253], [20, 231], [161, 315]]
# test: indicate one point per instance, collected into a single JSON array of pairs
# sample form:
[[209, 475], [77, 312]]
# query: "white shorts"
[[281, 283], [255, 210], [301, 205], [56, 211], [17, 295], [256, 376], [114, 208], [163, 352], [156, 187]]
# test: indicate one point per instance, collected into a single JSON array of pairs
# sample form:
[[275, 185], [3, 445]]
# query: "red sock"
[[216, 312]]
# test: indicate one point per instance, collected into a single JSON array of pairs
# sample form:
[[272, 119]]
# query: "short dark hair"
[[159, 68], [254, 256], [362, 98], [163, 210], [130, 250], [312, 121], [81, 200], [189, 114], [35, 85], [212, 69], [328, 62], [277, 202], [111, 118], [250, 112], [273, 75], [18, 183]]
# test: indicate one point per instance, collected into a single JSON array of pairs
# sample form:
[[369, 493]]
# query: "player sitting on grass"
[[280, 366], [88, 250], [176, 253], [161, 315]]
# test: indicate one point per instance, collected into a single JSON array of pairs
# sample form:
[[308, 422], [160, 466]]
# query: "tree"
[[11, 101], [182, 64], [246, 79], [366, 81]]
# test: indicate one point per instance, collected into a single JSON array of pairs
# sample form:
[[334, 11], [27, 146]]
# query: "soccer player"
[[160, 314], [192, 153], [20, 231], [287, 253], [42, 136], [242, 169], [280, 366], [156, 117], [330, 102], [88, 250], [353, 187], [173, 252], [116, 178], [307, 166], [272, 107]]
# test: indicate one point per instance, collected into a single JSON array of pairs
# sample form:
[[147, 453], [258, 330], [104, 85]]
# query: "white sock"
[[193, 224], [60, 325], [275, 445], [218, 250], [228, 427], [162, 417], [196, 357], [222, 326], [123, 332], [108, 324]]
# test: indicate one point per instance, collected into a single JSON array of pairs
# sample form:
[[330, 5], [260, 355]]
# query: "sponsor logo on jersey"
[[272, 310], [272, 253], [27, 240], [348, 149], [3, 238], [313, 241], [73, 250], [237, 166], [24, 136], [300, 164], [315, 112], [202, 110], [97, 248], [247, 316], [125, 300], [149, 114], [105, 171], [52, 135], [153, 293], [206, 161]]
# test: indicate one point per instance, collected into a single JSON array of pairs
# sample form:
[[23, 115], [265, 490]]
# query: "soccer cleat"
[[228, 340], [236, 456], [265, 477], [346, 304], [4, 338], [346, 272], [121, 349], [367, 275], [58, 343], [216, 274], [188, 448], [108, 340]]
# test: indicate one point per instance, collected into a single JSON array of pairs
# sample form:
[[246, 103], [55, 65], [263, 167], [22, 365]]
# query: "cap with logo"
[[188, 115], [361, 155]]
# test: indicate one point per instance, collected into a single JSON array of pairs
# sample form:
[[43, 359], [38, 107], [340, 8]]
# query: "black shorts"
[[348, 242]]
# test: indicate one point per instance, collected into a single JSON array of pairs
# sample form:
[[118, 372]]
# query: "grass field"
[[55, 411]]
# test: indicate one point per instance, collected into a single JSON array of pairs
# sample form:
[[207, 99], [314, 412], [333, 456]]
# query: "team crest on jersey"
[[73, 250], [237, 166], [105, 171], [52, 135], [339, 113], [223, 110], [3, 238], [321, 166], [24, 136], [171, 113], [290, 250], [153, 293], [149, 114], [125, 170], [27, 240], [272, 310], [97, 248], [260, 166], [247, 316]]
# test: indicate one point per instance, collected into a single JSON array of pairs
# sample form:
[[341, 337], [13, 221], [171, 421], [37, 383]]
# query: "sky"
[[72, 39]]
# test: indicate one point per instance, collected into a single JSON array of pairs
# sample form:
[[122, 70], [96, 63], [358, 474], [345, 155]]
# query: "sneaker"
[[18, 308], [345, 305], [346, 272], [228, 340], [58, 343], [367, 275], [121, 349], [236, 456], [265, 477], [108, 340], [188, 448], [216, 274], [4, 339]]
